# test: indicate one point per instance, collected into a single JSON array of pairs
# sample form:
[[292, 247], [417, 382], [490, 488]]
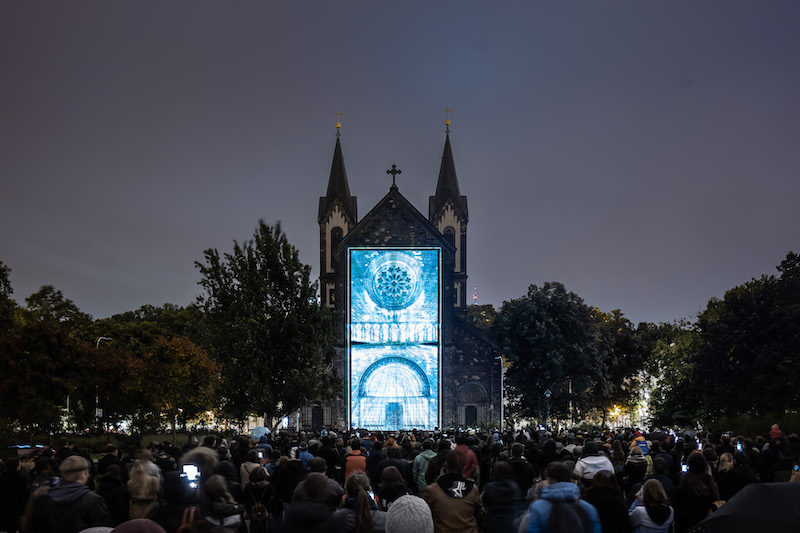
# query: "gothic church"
[[397, 281]]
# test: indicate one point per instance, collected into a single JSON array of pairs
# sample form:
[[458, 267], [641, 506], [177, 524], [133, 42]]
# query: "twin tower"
[[397, 281]]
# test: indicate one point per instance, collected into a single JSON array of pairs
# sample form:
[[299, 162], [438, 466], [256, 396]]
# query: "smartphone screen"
[[192, 474], [739, 446], [684, 468]]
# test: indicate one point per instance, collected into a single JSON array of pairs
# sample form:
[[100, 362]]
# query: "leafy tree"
[[671, 368], [621, 353], [7, 305], [747, 360], [550, 337], [49, 304], [42, 366], [187, 379], [263, 322]]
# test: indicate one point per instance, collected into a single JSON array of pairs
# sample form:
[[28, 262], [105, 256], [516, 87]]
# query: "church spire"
[[447, 186], [338, 188]]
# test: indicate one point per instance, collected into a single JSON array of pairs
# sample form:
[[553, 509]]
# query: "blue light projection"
[[394, 338]]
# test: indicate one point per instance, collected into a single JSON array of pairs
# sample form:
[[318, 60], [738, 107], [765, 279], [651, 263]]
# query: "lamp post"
[[98, 412], [502, 390]]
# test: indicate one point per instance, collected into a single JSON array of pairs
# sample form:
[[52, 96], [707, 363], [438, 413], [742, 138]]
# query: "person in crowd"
[[650, 512], [660, 473], [454, 500], [177, 496], [249, 464], [392, 486], [635, 468], [467, 459], [420, 465], [502, 499], [70, 506], [310, 511], [590, 463], [436, 464], [560, 508], [409, 514], [356, 460], [115, 494], [696, 494], [220, 508], [258, 494], [13, 496], [287, 476], [736, 478], [359, 512], [304, 455], [144, 488], [524, 472], [335, 490], [606, 496]]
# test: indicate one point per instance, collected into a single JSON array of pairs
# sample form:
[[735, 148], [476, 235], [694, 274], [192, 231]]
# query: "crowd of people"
[[394, 482]]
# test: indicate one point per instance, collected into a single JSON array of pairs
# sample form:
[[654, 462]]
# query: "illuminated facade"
[[397, 282]]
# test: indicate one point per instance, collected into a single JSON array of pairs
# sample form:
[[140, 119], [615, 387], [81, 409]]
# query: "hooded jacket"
[[560, 493], [68, 508], [421, 462], [455, 504]]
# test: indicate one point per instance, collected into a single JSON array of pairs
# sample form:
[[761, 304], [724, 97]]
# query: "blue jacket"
[[563, 493]]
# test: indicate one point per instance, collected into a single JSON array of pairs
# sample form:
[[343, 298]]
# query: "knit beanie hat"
[[139, 525], [409, 514]]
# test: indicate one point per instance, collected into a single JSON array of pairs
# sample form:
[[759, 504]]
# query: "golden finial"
[[338, 124], [447, 110]]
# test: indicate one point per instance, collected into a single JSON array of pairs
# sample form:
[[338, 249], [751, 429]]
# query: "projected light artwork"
[[394, 339]]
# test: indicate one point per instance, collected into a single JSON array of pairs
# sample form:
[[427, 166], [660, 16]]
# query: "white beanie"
[[409, 514]]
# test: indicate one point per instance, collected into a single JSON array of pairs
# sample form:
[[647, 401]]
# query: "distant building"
[[398, 283]]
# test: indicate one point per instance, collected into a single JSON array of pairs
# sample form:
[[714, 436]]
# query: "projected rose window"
[[394, 281]]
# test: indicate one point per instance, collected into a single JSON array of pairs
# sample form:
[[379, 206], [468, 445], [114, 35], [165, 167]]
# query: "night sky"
[[643, 153]]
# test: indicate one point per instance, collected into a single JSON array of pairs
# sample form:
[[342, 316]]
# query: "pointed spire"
[[338, 188], [447, 186]]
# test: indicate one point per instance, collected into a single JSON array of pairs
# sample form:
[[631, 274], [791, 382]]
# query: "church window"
[[337, 234], [450, 235]]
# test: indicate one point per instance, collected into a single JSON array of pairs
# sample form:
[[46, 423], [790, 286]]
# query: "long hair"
[[655, 501], [390, 478], [216, 490], [357, 486]]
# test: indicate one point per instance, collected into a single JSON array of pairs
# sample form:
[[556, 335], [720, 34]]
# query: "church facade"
[[397, 283]]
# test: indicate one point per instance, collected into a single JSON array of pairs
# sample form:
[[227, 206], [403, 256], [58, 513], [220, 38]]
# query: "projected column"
[[394, 340]]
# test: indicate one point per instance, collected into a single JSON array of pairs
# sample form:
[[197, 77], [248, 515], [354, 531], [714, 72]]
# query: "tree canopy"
[[263, 322]]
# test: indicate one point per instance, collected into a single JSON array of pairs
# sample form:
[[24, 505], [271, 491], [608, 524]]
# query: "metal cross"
[[338, 124], [394, 171], [447, 111]]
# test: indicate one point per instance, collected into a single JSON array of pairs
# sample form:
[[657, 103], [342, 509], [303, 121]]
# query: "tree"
[[263, 322], [49, 304], [187, 379], [7, 305], [747, 361], [42, 366], [622, 353], [482, 316], [550, 337]]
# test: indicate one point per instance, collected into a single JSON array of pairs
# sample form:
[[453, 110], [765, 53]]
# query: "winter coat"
[[455, 504], [611, 508], [69, 508], [116, 497], [347, 515], [561, 493], [590, 465], [503, 503], [355, 460], [643, 523], [421, 462], [311, 517]]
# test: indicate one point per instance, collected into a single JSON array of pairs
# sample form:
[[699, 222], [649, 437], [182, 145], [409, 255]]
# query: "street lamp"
[[502, 390], [98, 412]]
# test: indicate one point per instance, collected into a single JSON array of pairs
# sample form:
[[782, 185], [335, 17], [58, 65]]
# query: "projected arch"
[[394, 393]]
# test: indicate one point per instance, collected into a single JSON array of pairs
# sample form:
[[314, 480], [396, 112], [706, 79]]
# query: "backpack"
[[258, 512]]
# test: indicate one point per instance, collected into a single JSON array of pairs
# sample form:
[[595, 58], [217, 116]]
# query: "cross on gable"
[[394, 171]]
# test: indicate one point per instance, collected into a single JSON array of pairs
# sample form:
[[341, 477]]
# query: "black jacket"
[[69, 508]]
